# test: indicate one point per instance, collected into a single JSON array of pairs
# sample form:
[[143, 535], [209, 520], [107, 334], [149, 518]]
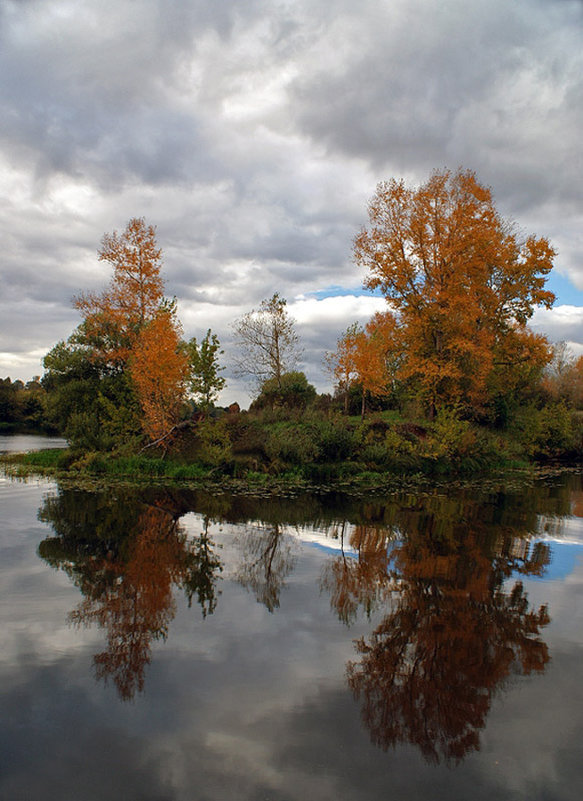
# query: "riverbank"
[[271, 450], [57, 464]]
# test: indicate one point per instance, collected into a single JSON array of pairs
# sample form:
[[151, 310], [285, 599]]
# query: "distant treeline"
[[23, 407]]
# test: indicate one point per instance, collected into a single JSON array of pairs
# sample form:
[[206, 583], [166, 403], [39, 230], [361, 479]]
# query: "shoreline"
[[22, 466]]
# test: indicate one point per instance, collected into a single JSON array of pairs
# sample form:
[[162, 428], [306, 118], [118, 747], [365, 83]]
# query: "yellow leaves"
[[113, 318], [158, 367], [456, 275]]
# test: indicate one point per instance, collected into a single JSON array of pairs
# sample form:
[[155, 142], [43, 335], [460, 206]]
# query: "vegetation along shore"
[[448, 381]]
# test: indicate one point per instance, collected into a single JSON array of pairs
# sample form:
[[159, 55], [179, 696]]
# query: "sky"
[[253, 134]]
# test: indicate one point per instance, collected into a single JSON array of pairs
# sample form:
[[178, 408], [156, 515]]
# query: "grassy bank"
[[275, 447]]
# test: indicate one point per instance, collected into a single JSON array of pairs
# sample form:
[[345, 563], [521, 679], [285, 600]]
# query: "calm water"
[[22, 443], [173, 645]]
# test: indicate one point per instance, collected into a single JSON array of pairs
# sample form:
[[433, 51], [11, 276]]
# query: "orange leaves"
[[457, 276], [113, 318], [131, 328], [368, 357], [159, 367]]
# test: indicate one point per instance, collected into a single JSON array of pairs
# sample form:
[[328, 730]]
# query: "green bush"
[[335, 439], [291, 443], [292, 391], [450, 437], [548, 432]]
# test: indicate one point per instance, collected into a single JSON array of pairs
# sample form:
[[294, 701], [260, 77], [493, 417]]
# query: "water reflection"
[[126, 557], [268, 555], [455, 629], [438, 576]]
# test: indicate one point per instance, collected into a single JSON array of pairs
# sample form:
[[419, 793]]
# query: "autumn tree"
[[367, 358], [205, 379], [158, 367], [376, 357], [124, 365], [459, 278], [267, 340], [114, 317]]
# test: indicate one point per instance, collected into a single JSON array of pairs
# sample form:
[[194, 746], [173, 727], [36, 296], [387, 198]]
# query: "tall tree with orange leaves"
[[158, 366], [113, 319], [128, 345], [460, 279]]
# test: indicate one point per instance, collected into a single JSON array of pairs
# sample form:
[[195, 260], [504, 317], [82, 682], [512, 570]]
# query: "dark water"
[[164, 644]]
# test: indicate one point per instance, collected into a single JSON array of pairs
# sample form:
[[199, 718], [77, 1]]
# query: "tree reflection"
[[127, 557], [268, 557], [361, 579], [454, 631]]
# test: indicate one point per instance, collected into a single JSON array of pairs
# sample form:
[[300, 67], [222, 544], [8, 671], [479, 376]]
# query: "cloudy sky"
[[252, 134]]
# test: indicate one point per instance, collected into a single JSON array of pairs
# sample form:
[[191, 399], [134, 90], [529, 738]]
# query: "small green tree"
[[292, 392], [205, 380]]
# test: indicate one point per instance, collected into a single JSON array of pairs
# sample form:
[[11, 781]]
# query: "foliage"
[[460, 281], [158, 368], [214, 447], [205, 381], [268, 343], [293, 444], [23, 406], [549, 431], [292, 391], [366, 359]]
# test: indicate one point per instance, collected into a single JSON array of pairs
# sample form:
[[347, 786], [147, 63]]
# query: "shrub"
[[335, 439], [292, 391], [292, 443]]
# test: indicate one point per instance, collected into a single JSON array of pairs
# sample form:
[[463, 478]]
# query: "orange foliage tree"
[[376, 356], [459, 279], [366, 358], [131, 326], [159, 370], [114, 317]]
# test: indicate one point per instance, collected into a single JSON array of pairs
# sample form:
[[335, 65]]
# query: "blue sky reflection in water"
[[246, 694]]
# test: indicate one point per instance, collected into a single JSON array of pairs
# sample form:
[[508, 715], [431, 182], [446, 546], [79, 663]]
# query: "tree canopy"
[[123, 368], [268, 343], [461, 281]]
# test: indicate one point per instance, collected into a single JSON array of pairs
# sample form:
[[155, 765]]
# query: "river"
[[171, 644]]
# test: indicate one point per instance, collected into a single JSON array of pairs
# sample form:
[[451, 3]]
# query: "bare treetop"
[[268, 344]]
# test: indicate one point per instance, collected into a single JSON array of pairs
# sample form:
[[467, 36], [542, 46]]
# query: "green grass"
[[143, 466], [51, 458]]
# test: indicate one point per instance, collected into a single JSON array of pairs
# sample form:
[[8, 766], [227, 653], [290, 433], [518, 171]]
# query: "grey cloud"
[[496, 87], [253, 136], [93, 93]]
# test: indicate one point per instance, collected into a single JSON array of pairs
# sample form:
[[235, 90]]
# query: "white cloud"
[[253, 140]]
